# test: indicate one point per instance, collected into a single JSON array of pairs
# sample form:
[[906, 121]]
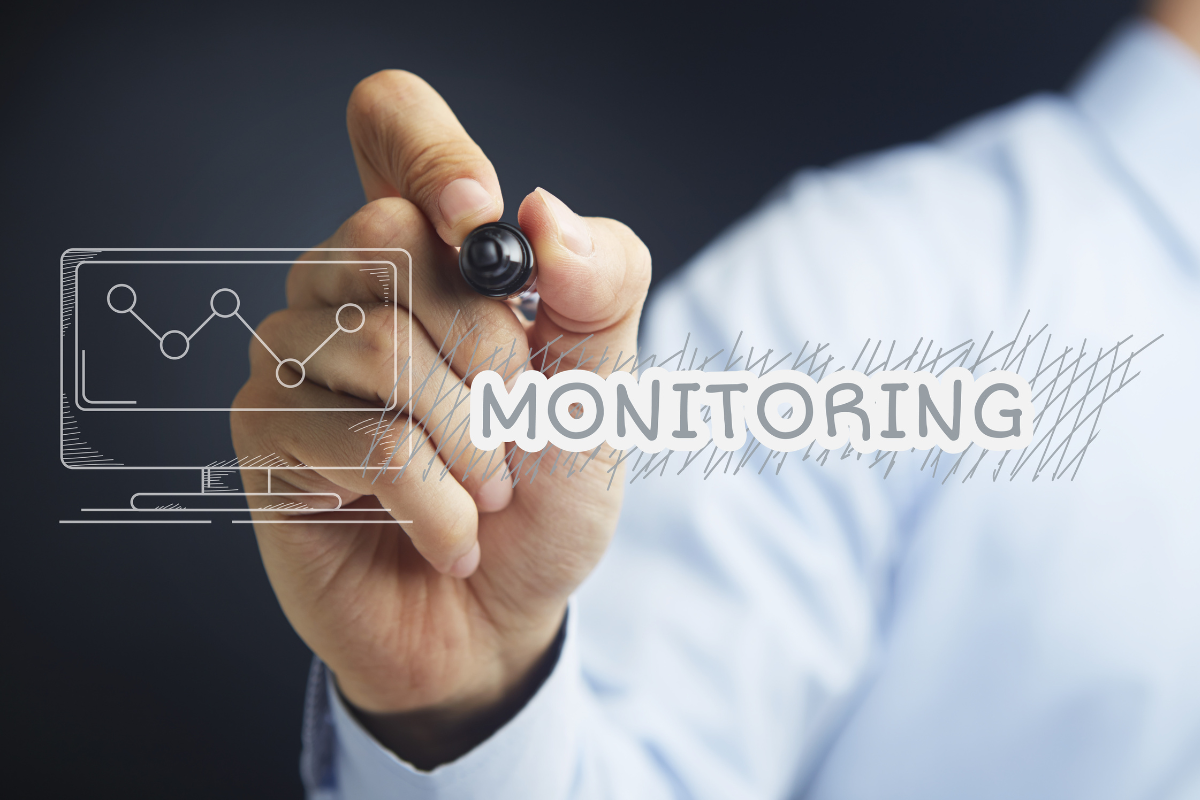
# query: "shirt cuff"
[[531, 757]]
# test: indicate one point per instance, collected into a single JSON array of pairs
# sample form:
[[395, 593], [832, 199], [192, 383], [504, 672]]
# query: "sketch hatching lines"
[[75, 451]]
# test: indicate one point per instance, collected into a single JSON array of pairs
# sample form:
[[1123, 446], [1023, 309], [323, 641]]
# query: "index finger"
[[408, 143]]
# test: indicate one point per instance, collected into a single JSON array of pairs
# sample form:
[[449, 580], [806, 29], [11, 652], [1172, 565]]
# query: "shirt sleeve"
[[529, 757]]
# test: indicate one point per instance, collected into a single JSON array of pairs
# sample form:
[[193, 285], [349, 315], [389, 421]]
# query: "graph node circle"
[[237, 302], [362, 318], [279, 373], [132, 295], [162, 344]]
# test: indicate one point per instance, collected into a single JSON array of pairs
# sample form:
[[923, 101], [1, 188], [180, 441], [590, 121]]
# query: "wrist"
[[432, 734]]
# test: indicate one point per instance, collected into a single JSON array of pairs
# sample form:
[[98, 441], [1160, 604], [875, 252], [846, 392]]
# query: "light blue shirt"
[[827, 632]]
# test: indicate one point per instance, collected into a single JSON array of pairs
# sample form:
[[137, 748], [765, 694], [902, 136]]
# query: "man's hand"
[[434, 630]]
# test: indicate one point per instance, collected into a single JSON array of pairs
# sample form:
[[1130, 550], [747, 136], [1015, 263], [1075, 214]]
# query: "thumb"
[[593, 274]]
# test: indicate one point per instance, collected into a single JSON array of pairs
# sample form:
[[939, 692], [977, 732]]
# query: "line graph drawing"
[[176, 354], [103, 355], [390, 269], [96, 357]]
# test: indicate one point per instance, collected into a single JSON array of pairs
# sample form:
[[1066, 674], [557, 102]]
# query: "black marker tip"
[[496, 260]]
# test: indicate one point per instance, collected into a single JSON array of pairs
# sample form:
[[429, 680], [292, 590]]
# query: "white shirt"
[[830, 633]]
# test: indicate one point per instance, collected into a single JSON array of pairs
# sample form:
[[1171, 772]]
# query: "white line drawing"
[[74, 453], [237, 304], [133, 500], [135, 521], [162, 339], [83, 385], [73, 260], [73, 450], [322, 521], [236, 510]]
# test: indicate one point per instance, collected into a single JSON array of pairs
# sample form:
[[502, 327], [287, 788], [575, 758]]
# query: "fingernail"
[[467, 564], [496, 493], [462, 199], [572, 230]]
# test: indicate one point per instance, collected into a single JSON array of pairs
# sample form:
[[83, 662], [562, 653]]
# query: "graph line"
[[202, 324], [322, 344], [147, 326], [237, 304], [256, 336]]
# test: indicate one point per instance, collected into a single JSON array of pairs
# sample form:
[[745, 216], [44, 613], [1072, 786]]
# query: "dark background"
[[155, 661]]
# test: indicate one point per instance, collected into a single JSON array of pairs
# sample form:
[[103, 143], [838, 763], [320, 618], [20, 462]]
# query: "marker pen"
[[496, 260]]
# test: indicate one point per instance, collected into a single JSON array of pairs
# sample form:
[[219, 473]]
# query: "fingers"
[[436, 511], [408, 143], [440, 299], [363, 364], [592, 277]]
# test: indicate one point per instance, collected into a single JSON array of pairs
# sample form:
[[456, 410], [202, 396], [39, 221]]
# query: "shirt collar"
[[1142, 92]]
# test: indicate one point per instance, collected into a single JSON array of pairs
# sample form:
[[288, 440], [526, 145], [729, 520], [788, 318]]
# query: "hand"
[[435, 630]]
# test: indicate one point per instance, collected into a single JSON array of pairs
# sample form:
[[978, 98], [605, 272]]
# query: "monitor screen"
[[155, 346]]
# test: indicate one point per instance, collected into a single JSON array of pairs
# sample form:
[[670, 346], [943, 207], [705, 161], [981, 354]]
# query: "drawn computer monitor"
[[155, 346]]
